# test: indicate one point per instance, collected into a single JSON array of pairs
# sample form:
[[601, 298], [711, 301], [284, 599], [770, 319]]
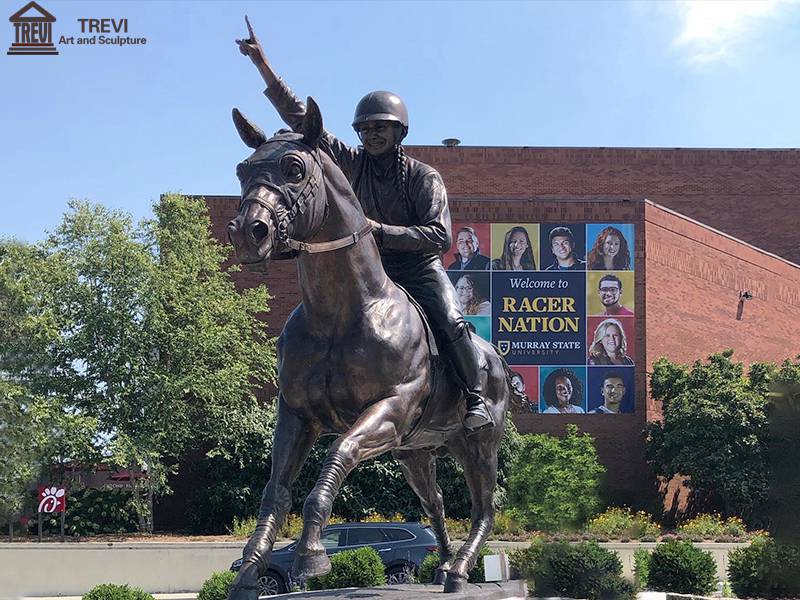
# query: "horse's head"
[[283, 196]]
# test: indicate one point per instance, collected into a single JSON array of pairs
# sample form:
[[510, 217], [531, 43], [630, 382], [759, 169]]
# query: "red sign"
[[52, 499]]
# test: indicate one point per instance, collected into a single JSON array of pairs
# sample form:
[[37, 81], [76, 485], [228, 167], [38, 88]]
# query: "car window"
[[330, 539], [363, 535], [395, 535]]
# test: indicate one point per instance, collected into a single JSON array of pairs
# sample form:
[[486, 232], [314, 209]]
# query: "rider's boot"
[[465, 358]]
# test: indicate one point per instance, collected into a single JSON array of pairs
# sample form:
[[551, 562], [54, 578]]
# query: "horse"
[[355, 359]]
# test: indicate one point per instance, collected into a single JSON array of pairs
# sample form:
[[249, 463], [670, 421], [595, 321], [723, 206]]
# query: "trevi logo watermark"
[[33, 32]]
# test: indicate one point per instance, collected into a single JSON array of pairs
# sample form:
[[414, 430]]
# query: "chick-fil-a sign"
[[52, 499]]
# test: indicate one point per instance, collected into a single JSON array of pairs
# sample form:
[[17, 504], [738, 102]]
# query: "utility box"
[[495, 567]]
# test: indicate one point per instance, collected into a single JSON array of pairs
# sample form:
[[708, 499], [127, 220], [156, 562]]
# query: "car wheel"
[[400, 574], [271, 584]]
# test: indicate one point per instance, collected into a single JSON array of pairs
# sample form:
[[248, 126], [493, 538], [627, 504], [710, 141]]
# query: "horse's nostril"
[[260, 231]]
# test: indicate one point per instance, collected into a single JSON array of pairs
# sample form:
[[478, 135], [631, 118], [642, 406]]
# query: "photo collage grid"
[[557, 299]]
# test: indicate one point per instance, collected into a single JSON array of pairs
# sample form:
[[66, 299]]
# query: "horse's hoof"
[[314, 564], [440, 576], [455, 583], [245, 586]]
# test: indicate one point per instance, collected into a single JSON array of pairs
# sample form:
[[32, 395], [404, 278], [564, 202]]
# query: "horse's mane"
[[336, 184]]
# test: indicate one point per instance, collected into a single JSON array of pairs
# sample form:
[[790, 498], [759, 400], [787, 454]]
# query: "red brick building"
[[710, 224]]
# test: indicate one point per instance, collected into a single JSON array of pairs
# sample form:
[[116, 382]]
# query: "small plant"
[[622, 523], [352, 568], [293, 527], [506, 525], [641, 568], [216, 587], [681, 568], [243, 528], [111, 591], [427, 570]]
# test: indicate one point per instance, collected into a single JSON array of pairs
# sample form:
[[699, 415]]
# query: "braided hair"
[[400, 163]]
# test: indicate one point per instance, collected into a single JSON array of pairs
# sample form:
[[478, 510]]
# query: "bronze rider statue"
[[406, 203]]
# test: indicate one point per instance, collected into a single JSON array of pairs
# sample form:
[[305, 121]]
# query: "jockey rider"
[[406, 202]]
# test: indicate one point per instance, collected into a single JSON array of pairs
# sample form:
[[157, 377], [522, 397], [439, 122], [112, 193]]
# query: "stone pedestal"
[[507, 590]]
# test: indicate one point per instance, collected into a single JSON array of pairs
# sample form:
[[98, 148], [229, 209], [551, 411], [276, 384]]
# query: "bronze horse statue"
[[355, 359]]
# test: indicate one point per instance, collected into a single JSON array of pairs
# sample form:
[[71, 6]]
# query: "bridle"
[[283, 217]]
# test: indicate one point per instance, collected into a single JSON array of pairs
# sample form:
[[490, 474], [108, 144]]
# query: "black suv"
[[401, 546]]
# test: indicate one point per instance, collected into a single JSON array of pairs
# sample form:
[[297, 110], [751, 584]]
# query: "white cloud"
[[711, 30]]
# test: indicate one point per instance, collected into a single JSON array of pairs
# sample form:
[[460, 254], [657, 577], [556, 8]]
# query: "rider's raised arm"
[[429, 199], [289, 106]]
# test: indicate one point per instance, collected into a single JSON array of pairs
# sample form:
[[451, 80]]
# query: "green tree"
[[554, 482], [713, 432], [138, 329], [17, 451], [783, 451]]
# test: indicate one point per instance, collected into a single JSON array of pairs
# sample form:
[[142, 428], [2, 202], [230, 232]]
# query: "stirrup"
[[477, 416]]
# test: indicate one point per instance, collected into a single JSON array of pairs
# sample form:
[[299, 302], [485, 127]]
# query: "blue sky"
[[121, 125]]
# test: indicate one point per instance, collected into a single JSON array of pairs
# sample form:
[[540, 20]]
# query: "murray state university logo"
[[504, 346], [33, 31]]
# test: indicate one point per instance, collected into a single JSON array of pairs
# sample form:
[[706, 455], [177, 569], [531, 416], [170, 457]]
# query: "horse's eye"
[[292, 168]]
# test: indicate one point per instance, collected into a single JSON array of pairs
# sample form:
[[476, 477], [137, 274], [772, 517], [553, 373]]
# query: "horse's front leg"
[[292, 442], [376, 431]]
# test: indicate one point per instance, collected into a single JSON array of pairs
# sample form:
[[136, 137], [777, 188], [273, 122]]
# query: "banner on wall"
[[557, 299]]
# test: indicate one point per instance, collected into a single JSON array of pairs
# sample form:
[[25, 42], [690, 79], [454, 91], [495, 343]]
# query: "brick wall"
[[752, 194], [694, 276], [688, 276]]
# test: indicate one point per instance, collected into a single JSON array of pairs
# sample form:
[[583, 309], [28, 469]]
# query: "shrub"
[[622, 523], [714, 431], [352, 568], [506, 525], [554, 482], [292, 528], [680, 567], [216, 587], [765, 569], [528, 563], [110, 591], [712, 526], [427, 570], [584, 570], [641, 568], [93, 511]]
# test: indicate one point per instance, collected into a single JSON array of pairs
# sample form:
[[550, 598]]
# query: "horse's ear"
[[312, 124], [251, 135]]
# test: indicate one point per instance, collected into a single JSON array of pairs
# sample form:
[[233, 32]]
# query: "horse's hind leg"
[[373, 433], [478, 457], [292, 442], [419, 469]]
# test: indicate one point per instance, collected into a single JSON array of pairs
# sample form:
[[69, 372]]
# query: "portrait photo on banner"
[[610, 341], [562, 390], [609, 247], [515, 247], [472, 292], [525, 384], [610, 390], [610, 293], [563, 246], [471, 245]]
